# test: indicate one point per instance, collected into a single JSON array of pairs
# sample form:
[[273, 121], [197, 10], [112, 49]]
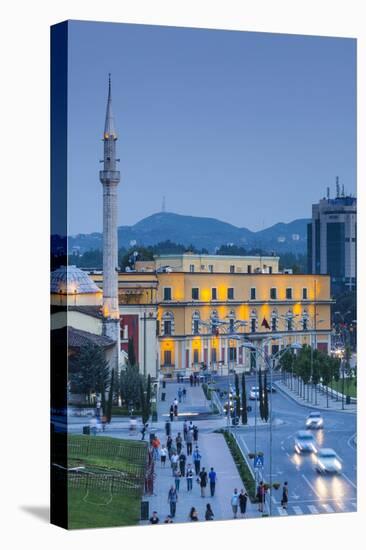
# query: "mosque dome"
[[72, 280]]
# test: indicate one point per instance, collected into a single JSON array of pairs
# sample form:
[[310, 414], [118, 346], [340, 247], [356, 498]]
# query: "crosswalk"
[[319, 509]]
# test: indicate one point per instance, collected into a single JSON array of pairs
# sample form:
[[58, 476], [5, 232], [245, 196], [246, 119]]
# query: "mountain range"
[[201, 232]]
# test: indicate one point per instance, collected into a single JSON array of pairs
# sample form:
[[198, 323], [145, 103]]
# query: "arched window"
[[167, 328], [196, 323]]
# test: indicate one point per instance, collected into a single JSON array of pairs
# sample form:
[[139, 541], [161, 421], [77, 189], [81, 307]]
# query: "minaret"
[[110, 178]]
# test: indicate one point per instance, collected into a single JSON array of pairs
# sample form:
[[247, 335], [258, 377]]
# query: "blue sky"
[[249, 128]]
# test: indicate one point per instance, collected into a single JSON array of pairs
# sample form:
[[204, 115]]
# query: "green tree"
[[130, 379], [237, 397], [110, 398], [265, 399], [89, 372], [260, 388], [131, 352], [244, 414]]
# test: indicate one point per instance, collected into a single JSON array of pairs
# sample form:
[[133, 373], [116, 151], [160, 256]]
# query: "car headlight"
[[337, 464]]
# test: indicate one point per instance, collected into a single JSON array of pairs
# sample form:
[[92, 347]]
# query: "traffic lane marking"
[[310, 485]]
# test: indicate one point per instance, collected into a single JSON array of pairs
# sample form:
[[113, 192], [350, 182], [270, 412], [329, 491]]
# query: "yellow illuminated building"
[[204, 313]]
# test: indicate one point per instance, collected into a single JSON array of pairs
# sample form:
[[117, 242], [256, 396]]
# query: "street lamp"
[[257, 349]]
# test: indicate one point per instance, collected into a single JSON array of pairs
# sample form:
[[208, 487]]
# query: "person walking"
[[171, 413], [163, 455], [168, 428], [203, 481], [195, 434], [182, 463], [284, 501], [209, 515], [176, 410], [197, 460], [172, 500], [235, 503], [261, 496], [193, 516], [191, 379], [174, 462], [169, 443], [243, 498], [143, 431], [185, 430], [179, 442], [177, 476], [212, 476], [180, 395], [189, 476], [184, 393], [189, 441]]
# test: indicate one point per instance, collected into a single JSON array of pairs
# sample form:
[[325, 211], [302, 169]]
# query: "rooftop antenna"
[[343, 190], [328, 193], [163, 205], [337, 187]]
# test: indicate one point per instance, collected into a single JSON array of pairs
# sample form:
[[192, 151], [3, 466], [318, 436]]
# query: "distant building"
[[332, 240]]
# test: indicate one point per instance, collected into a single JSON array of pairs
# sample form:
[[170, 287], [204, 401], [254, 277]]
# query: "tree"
[[131, 352], [130, 379], [265, 399], [237, 397], [244, 414], [89, 373], [260, 389], [110, 398]]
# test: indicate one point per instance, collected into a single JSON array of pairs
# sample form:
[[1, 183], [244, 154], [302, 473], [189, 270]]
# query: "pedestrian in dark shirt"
[[193, 516], [171, 413], [182, 463], [172, 499], [154, 520], [195, 434], [189, 476], [209, 515], [179, 442], [243, 498], [191, 379], [284, 500], [184, 392], [203, 481]]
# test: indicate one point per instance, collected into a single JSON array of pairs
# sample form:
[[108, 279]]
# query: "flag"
[[265, 323]]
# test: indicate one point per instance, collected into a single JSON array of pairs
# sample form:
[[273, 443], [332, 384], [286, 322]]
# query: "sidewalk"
[[334, 405], [214, 453]]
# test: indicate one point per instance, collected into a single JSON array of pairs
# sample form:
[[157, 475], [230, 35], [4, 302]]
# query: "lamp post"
[[270, 365]]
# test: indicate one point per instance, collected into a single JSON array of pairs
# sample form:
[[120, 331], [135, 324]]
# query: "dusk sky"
[[249, 128]]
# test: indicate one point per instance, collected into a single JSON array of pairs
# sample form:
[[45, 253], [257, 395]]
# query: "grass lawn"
[[99, 506], [350, 387]]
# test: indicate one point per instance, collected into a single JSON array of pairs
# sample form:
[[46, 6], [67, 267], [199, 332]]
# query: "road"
[[309, 492]]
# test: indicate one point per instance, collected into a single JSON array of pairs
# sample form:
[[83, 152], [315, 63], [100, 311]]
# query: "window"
[[167, 293], [249, 268], [191, 268], [231, 326], [274, 324], [213, 355], [232, 355], [288, 293], [167, 357], [195, 356], [270, 269], [210, 268], [232, 269], [253, 293], [289, 324], [304, 293], [214, 294], [304, 324], [167, 328], [273, 293], [253, 323], [196, 326], [230, 294], [195, 294]]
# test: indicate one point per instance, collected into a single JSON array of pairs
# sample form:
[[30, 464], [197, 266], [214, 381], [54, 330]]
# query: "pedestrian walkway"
[[333, 403], [215, 453]]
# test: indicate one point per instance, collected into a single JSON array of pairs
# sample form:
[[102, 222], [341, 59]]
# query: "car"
[[328, 462], [305, 442], [314, 421], [254, 393], [271, 388]]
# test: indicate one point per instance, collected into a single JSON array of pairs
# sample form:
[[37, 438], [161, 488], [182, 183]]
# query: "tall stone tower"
[[110, 178]]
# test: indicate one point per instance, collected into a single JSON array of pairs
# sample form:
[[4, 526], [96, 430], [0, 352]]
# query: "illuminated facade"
[[201, 316]]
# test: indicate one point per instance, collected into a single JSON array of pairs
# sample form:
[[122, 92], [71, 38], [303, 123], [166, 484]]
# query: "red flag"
[[265, 323]]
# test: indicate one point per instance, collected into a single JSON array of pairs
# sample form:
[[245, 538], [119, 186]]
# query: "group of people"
[[193, 516], [261, 496]]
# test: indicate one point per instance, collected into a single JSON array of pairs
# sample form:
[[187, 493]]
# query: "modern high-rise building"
[[332, 236]]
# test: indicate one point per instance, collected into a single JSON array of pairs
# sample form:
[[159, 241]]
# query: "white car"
[[254, 393], [314, 421], [328, 462], [305, 442]]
